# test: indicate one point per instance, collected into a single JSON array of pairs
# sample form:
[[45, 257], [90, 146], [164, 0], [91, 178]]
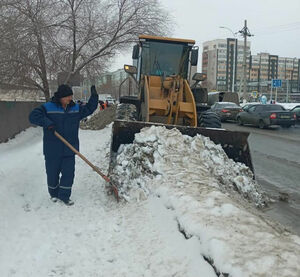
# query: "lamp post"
[[233, 69]]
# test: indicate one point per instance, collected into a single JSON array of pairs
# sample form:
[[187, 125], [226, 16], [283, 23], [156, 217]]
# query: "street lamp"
[[233, 69]]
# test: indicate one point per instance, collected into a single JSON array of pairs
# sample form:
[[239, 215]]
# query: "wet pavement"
[[276, 158]]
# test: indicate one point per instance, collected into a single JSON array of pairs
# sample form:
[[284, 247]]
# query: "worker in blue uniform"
[[63, 115]]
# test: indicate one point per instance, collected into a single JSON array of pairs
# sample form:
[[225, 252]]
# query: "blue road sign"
[[276, 83], [85, 91]]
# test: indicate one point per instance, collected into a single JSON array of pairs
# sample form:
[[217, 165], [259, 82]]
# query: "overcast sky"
[[274, 23]]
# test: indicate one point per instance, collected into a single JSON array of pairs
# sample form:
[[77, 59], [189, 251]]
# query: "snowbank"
[[99, 119], [169, 155], [195, 179]]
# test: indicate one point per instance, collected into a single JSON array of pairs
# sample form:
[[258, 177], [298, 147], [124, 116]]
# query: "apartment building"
[[264, 67], [222, 61]]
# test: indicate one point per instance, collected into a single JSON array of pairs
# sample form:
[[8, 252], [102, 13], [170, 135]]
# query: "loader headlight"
[[199, 77], [130, 69]]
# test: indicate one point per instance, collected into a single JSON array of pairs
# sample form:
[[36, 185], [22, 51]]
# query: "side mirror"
[[135, 52], [194, 56], [130, 69], [199, 77]]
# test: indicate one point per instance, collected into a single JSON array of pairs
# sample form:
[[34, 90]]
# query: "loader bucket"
[[234, 143]]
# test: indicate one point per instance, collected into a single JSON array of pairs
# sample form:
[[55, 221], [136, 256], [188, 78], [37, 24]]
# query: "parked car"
[[246, 106], [296, 113], [107, 98], [265, 115], [226, 110], [110, 100]]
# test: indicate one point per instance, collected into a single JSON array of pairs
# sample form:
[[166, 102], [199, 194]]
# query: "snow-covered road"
[[174, 232]]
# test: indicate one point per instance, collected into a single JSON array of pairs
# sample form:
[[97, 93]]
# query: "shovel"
[[95, 168]]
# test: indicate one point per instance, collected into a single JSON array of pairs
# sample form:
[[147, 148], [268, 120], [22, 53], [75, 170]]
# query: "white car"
[[110, 101]]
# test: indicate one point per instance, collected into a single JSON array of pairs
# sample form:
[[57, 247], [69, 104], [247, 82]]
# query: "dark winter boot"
[[53, 199], [68, 202]]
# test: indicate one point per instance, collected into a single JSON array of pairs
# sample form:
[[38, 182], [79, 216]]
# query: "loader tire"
[[126, 112], [209, 120]]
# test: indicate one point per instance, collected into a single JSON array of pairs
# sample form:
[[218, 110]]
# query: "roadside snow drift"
[[190, 224], [205, 189]]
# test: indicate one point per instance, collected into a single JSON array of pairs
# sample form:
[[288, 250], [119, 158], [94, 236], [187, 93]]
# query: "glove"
[[51, 128], [93, 90]]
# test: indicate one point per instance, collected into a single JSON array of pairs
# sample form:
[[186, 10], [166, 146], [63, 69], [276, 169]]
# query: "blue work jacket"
[[66, 122]]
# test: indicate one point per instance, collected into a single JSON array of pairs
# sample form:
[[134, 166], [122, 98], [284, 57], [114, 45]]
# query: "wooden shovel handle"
[[95, 168]]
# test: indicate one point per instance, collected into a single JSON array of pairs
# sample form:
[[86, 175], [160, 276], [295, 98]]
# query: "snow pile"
[[158, 155], [202, 189], [99, 119], [235, 241]]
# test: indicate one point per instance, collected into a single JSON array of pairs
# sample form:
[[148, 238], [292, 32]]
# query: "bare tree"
[[44, 37], [25, 49]]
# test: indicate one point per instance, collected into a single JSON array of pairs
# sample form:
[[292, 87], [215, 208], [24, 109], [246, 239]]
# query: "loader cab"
[[159, 56]]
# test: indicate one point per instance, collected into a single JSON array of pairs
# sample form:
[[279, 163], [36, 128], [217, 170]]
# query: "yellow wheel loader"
[[162, 72]]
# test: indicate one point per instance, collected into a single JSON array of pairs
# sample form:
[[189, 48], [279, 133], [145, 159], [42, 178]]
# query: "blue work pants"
[[60, 176]]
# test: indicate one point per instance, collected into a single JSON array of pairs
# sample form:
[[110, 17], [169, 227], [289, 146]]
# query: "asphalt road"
[[275, 155]]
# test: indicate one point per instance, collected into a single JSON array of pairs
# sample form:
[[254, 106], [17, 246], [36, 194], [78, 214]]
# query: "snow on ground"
[[96, 236], [181, 229]]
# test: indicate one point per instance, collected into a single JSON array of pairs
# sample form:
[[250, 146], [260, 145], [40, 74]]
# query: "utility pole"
[[258, 76], [245, 33]]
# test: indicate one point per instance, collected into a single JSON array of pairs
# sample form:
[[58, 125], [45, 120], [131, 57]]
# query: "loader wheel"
[[209, 120], [126, 112]]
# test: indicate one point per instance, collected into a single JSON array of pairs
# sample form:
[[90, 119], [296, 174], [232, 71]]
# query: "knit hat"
[[63, 91]]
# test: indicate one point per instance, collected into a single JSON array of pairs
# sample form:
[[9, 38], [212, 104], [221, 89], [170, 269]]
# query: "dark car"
[[226, 110], [265, 115], [296, 113]]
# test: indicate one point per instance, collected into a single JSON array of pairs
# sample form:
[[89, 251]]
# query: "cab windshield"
[[165, 59]]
